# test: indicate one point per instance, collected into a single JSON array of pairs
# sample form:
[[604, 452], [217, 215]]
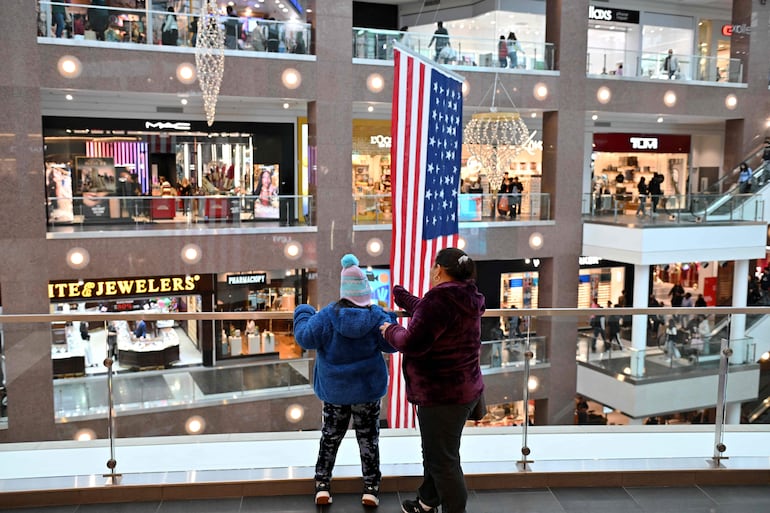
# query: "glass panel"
[[462, 50], [650, 65], [376, 208], [155, 25]]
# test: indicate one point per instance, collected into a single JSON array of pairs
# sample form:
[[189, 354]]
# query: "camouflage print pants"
[[366, 422]]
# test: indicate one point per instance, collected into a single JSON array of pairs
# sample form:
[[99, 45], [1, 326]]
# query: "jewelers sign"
[[90, 289]]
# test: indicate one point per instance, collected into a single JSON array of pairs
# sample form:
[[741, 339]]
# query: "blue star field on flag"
[[444, 148]]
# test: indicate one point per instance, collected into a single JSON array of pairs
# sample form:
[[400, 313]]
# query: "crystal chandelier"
[[495, 138], [210, 57]]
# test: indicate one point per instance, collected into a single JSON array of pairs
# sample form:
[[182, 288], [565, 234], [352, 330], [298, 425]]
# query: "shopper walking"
[[513, 50], [170, 32], [502, 52], [441, 347], [671, 64], [441, 40], [642, 189], [350, 376], [744, 178]]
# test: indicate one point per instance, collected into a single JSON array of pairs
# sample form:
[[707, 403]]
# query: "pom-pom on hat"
[[353, 283]]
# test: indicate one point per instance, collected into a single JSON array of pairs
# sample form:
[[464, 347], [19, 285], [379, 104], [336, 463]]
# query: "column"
[[23, 245], [639, 326], [330, 141], [738, 321]]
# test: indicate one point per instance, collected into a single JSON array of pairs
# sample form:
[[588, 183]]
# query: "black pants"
[[443, 481], [366, 422]]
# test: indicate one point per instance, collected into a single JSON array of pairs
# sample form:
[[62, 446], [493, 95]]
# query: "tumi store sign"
[[641, 143], [112, 288]]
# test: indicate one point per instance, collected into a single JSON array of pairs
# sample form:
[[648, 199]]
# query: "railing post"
[[719, 445], [528, 355], [114, 478]]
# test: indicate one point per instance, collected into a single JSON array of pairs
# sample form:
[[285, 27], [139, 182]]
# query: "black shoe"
[[371, 496], [414, 506], [322, 493]]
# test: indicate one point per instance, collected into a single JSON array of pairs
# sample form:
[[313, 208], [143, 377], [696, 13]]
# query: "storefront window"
[[259, 291], [79, 348], [371, 169], [94, 167], [620, 160], [657, 41]]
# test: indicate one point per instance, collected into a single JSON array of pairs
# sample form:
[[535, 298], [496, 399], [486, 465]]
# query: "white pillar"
[[635, 422], [733, 413], [639, 326], [738, 321]]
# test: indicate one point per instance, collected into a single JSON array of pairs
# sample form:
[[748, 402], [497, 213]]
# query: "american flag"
[[425, 155]]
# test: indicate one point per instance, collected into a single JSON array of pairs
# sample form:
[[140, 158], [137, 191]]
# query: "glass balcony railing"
[[197, 386], [650, 65], [474, 207], [81, 212], [462, 51], [676, 209], [675, 368], [145, 26]]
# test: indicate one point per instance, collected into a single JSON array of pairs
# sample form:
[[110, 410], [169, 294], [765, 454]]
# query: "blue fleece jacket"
[[349, 367]]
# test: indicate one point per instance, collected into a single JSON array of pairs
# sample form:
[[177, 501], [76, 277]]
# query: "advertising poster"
[[96, 181], [379, 282], [58, 186], [266, 192]]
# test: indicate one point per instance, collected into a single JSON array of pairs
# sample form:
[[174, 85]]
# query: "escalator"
[[723, 199]]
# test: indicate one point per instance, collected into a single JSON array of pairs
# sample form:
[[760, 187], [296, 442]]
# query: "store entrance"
[[79, 348], [163, 168]]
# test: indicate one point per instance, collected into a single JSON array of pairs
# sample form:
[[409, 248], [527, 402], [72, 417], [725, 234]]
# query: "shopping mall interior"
[[168, 204]]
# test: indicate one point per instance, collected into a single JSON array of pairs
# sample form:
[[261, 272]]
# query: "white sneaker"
[[322, 494]]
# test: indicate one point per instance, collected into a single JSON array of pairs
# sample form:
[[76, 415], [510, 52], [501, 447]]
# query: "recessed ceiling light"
[[595, 117], [285, 105], [69, 97], [660, 119], [370, 108], [184, 101]]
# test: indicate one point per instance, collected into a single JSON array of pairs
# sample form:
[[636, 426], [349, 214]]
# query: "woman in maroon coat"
[[441, 348]]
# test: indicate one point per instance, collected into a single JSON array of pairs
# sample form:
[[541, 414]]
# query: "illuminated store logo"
[[246, 279], [594, 13], [644, 143], [530, 145], [382, 141], [167, 125], [589, 260], [729, 30], [619, 15], [112, 288]]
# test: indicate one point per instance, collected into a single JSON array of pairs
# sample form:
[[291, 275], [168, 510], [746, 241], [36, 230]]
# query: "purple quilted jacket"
[[441, 343]]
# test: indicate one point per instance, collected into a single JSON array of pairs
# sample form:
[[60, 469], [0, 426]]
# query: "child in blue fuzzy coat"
[[350, 375]]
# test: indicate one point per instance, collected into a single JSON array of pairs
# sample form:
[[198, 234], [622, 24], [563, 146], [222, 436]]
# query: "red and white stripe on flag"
[[426, 130]]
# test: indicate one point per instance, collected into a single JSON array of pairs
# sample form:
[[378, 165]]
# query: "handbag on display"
[[502, 205]]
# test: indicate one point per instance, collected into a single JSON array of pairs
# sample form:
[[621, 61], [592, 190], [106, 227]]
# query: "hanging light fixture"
[[495, 138], [210, 57]]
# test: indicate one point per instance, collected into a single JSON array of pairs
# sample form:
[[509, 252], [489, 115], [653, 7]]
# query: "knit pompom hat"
[[353, 283]]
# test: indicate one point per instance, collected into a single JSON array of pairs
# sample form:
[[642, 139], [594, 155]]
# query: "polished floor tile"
[[671, 500], [516, 501], [716, 499]]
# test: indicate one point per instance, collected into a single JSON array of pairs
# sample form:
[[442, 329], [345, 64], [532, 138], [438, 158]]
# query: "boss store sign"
[[607, 14], [641, 143]]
